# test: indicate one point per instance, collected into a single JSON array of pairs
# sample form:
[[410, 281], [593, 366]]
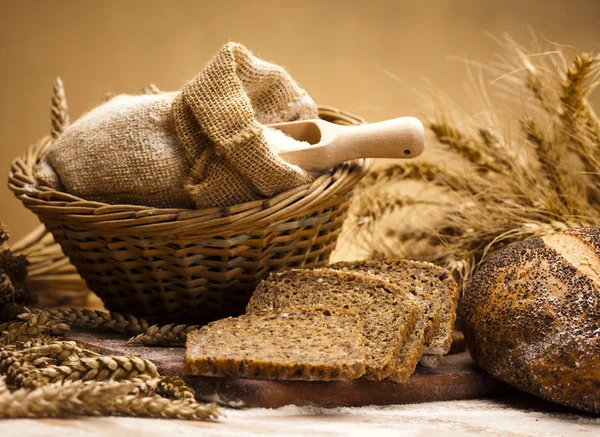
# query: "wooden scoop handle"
[[397, 139]]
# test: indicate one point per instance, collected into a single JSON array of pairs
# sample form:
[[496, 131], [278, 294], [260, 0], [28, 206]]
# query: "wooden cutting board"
[[456, 377]]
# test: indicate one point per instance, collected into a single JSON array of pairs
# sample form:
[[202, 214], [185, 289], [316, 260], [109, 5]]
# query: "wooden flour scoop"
[[330, 144]]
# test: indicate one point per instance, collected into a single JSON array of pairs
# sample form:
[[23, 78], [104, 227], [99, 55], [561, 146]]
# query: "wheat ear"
[[99, 369], [171, 335], [58, 400], [35, 325], [59, 111], [85, 318]]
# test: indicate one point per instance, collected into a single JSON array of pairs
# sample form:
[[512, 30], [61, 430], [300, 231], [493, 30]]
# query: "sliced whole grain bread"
[[388, 313], [433, 283], [427, 318], [297, 343]]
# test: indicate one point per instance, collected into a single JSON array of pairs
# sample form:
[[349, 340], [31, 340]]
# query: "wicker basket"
[[178, 265]]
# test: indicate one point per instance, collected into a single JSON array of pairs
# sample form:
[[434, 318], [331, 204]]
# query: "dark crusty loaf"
[[532, 317], [437, 296], [308, 343], [387, 312]]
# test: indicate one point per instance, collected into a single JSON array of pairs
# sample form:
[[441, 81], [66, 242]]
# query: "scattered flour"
[[520, 417]]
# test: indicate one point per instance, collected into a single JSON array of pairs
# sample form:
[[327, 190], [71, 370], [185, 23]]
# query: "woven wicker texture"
[[191, 266], [50, 274]]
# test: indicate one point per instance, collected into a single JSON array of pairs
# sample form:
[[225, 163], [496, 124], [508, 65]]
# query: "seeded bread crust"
[[298, 343], [532, 317], [388, 313]]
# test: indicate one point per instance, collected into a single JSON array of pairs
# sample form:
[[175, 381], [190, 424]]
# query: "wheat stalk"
[[57, 351], [167, 335], [132, 405], [4, 234], [540, 179], [96, 385], [4, 391], [86, 318], [164, 386], [35, 325], [451, 136], [99, 369], [25, 375], [59, 113], [175, 388], [58, 400]]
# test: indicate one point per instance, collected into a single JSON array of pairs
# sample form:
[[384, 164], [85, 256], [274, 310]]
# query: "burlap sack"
[[203, 146]]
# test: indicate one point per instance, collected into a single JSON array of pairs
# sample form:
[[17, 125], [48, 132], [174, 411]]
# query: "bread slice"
[[388, 313], [427, 318], [432, 283], [307, 343]]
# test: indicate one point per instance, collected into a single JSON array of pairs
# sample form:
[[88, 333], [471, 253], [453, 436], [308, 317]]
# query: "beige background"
[[368, 57]]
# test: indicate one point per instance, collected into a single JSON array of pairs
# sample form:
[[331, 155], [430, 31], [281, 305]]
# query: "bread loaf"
[[308, 343], [532, 317], [388, 313]]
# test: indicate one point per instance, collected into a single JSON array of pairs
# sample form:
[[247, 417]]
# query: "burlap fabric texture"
[[202, 147]]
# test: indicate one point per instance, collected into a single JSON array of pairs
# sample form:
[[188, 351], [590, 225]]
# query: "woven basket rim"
[[178, 223]]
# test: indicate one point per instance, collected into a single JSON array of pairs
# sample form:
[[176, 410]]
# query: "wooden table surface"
[[509, 417]]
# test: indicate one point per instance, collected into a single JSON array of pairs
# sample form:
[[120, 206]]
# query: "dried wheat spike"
[[146, 385], [164, 386], [98, 399], [59, 111], [39, 340], [99, 369], [8, 355], [172, 335], [7, 326], [174, 388], [574, 89], [131, 405], [37, 324], [58, 400], [150, 89], [4, 391], [456, 140], [58, 351], [578, 117], [423, 171], [123, 324], [543, 151], [22, 374], [4, 234], [535, 84]]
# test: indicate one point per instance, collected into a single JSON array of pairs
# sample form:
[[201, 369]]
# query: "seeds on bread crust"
[[531, 317]]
